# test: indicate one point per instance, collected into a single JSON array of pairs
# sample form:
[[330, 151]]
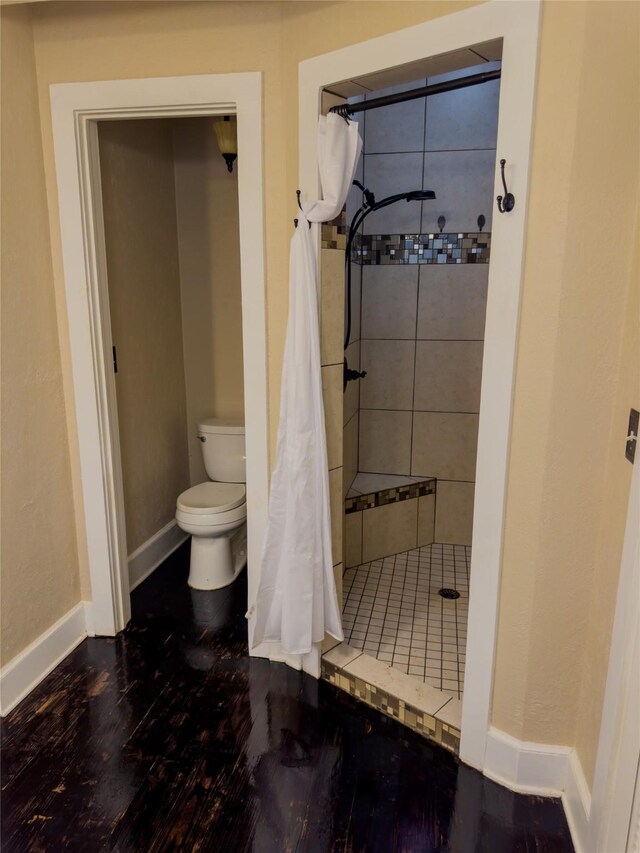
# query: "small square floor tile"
[[392, 610]]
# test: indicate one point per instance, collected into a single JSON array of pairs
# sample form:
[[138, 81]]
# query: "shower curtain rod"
[[345, 110]]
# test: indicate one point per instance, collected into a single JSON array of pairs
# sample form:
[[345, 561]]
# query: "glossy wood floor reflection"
[[170, 738]]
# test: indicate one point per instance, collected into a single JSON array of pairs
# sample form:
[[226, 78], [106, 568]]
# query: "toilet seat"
[[211, 498], [212, 520]]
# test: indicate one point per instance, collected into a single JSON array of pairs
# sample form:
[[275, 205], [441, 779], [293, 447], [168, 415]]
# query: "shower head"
[[370, 203], [414, 195], [420, 195]]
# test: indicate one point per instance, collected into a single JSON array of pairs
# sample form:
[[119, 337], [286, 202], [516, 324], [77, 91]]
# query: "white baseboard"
[[27, 669], [529, 768], [88, 618], [154, 551], [544, 770], [576, 800]]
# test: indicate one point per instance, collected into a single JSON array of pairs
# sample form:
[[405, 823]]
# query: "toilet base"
[[217, 561]]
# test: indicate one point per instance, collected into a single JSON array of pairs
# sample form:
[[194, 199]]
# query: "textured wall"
[[40, 580], [615, 498], [574, 295], [138, 191], [573, 390], [209, 252]]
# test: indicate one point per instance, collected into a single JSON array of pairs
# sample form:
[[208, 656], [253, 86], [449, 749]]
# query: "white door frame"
[[616, 770], [76, 108], [518, 24]]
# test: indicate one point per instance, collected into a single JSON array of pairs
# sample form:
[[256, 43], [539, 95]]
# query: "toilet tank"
[[223, 450]]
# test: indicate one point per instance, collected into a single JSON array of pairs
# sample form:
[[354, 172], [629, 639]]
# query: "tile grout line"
[[373, 603], [442, 621], [426, 628], [422, 412], [364, 588], [435, 714], [344, 605], [415, 356], [424, 148], [344, 668], [455, 603], [418, 496], [386, 612], [426, 645], [397, 627], [413, 616], [427, 151], [357, 613], [422, 340], [362, 536], [438, 556], [467, 556], [395, 645], [357, 606], [351, 418]]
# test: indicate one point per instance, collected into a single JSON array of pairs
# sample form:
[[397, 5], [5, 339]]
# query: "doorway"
[[417, 271], [398, 58], [170, 212], [76, 110]]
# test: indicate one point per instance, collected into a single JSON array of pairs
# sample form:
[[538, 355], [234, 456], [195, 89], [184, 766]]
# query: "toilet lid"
[[212, 497]]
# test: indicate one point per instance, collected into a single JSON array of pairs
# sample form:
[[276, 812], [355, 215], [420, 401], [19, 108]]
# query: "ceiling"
[[488, 51]]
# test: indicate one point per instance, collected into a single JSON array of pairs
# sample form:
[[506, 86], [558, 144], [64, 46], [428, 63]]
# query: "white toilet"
[[215, 513]]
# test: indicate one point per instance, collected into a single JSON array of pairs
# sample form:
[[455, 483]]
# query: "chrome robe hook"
[[508, 202]]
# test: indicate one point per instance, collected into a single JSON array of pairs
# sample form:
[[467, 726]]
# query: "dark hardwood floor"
[[169, 737]]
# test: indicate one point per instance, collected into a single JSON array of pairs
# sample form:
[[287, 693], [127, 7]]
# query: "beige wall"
[[573, 391], [209, 251], [615, 496], [40, 580], [102, 41], [139, 202], [574, 302]]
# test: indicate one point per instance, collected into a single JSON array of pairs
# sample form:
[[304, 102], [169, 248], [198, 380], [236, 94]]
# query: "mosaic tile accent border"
[[390, 496], [472, 247], [420, 722], [334, 233]]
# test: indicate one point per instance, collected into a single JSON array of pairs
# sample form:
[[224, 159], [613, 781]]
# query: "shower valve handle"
[[350, 375], [356, 374]]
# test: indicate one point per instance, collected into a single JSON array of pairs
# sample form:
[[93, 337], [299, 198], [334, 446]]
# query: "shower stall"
[[415, 298]]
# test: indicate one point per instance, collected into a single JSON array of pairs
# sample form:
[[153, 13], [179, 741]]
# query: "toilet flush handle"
[[202, 438]]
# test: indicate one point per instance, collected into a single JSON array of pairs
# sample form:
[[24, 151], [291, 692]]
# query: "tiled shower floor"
[[392, 611]]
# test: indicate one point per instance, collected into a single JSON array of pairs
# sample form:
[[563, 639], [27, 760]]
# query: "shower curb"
[[430, 726]]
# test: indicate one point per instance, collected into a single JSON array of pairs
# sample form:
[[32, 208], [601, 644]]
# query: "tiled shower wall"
[[420, 333], [332, 354]]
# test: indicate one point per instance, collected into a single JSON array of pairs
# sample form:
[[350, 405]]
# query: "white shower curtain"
[[297, 602]]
